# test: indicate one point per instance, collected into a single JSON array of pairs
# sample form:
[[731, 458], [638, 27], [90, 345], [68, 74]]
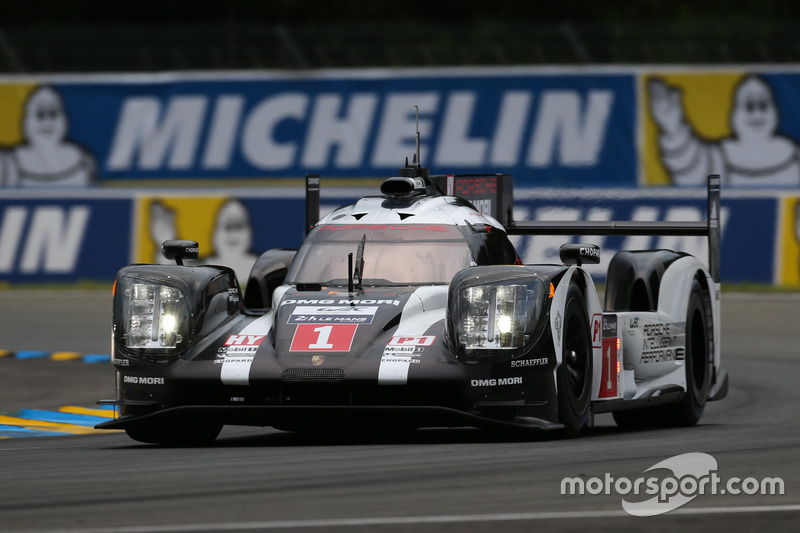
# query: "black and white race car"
[[411, 309]]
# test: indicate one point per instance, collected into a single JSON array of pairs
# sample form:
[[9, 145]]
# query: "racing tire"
[[175, 434], [699, 360], [574, 375], [699, 363]]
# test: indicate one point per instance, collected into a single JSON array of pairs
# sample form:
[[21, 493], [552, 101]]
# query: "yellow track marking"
[[40, 425], [65, 356], [105, 413]]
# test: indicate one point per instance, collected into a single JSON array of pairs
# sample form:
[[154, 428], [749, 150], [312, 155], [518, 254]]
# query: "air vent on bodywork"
[[404, 216], [307, 375]]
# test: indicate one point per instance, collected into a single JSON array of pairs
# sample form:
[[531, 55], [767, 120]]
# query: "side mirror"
[[180, 250], [577, 254]]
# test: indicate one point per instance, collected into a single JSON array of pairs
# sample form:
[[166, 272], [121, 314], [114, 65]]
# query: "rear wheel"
[[699, 360], [574, 376], [175, 434], [699, 367]]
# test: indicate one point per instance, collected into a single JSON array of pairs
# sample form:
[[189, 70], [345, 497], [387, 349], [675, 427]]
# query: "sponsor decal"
[[399, 355], [421, 340], [496, 382], [589, 252], [121, 362], [539, 361], [332, 315], [348, 302], [663, 342], [332, 337], [612, 366], [244, 340], [142, 380], [558, 327], [240, 350], [597, 330], [484, 207], [610, 325]]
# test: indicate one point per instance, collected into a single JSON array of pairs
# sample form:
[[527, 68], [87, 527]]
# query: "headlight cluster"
[[155, 317], [500, 316]]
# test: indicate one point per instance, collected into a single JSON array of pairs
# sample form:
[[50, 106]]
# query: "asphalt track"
[[432, 480]]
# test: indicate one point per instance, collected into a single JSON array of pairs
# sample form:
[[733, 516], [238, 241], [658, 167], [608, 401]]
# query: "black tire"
[[699, 361], [574, 376], [175, 434]]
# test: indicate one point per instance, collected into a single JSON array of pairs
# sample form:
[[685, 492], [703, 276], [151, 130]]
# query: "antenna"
[[415, 170], [419, 160]]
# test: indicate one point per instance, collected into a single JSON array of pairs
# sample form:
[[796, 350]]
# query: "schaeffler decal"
[[332, 315], [330, 338], [240, 349]]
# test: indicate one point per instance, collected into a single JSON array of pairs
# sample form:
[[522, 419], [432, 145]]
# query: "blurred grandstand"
[[287, 34]]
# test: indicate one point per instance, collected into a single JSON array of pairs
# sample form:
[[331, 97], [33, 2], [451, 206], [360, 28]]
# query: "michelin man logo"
[[756, 153], [232, 236], [46, 157]]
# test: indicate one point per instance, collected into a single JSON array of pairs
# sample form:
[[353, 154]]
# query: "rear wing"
[[708, 228], [492, 194]]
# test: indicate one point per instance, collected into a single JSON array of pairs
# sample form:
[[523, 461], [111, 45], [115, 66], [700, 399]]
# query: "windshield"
[[394, 254]]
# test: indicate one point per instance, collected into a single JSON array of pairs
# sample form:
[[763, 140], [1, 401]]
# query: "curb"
[[56, 356]]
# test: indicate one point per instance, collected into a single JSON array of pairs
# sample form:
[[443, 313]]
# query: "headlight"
[[498, 317], [155, 317]]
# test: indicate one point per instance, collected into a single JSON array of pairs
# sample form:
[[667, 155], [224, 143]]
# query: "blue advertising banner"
[[557, 128], [63, 239], [748, 227], [70, 238]]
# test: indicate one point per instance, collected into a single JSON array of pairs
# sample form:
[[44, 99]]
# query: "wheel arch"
[[594, 313]]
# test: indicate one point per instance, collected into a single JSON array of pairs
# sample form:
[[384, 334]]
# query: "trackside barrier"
[[68, 237]]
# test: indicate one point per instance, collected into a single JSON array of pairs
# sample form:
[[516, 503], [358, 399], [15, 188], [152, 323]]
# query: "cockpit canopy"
[[396, 254]]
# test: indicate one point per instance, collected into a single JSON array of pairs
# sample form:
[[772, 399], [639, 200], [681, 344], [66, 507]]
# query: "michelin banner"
[[90, 236], [58, 239], [546, 127]]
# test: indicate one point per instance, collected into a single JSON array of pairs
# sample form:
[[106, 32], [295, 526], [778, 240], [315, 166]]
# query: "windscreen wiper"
[[354, 275], [358, 270]]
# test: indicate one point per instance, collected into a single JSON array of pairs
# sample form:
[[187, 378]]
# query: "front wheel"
[[574, 376]]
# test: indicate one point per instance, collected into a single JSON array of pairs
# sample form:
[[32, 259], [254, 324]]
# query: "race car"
[[412, 309]]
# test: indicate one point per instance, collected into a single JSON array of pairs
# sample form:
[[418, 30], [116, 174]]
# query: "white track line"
[[413, 520]]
